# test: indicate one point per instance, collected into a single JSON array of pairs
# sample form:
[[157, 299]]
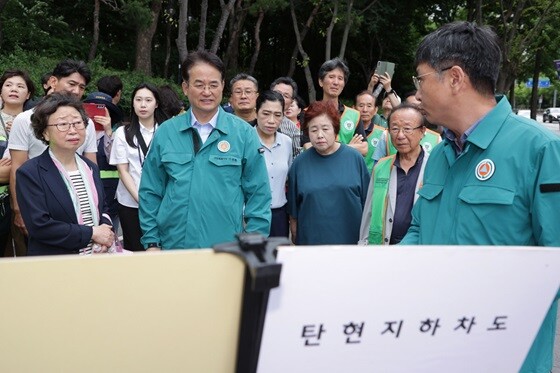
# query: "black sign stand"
[[262, 274]]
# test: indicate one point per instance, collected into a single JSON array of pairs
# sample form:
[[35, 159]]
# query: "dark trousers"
[[130, 224], [279, 226]]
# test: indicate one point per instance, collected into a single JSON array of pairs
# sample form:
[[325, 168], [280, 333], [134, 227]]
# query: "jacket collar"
[[221, 125], [491, 124]]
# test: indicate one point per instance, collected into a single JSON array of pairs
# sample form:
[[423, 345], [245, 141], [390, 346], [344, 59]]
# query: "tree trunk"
[[95, 41], [347, 26], [303, 34], [202, 29], [183, 21], [144, 41], [170, 13], [232, 52], [257, 42], [308, 77], [226, 10], [328, 42]]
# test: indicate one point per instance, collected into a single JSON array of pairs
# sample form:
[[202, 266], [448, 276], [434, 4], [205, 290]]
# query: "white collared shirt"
[[122, 153], [204, 129]]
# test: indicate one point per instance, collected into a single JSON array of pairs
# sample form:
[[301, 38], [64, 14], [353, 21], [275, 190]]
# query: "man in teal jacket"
[[494, 180], [204, 178]]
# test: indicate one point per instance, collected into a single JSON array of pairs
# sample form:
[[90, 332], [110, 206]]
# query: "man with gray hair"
[[244, 91], [494, 179], [333, 76]]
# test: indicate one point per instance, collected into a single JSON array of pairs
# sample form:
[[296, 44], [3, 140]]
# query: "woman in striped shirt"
[[60, 193]]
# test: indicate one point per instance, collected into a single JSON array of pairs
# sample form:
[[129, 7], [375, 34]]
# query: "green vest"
[[348, 123], [109, 174], [372, 141], [430, 139], [381, 176]]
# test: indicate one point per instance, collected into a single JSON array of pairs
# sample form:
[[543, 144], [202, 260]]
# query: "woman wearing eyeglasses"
[[60, 193], [395, 180]]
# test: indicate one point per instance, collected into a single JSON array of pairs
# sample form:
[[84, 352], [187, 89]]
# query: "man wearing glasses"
[[395, 180], [243, 100], [494, 180], [204, 178]]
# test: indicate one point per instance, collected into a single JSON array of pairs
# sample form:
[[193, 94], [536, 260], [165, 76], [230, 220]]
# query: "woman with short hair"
[[327, 184], [59, 193]]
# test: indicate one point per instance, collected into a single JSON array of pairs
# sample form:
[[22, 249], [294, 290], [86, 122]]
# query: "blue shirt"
[[278, 160]]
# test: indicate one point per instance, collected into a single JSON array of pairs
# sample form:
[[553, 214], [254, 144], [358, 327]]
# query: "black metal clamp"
[[262, 274]]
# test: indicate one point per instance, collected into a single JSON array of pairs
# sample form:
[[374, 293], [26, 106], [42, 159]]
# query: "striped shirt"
[[83, 201]]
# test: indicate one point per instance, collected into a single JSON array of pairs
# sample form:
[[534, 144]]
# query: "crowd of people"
[[377, 173]]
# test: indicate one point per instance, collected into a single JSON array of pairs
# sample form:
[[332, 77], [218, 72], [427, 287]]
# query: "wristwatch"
[[392, 91]]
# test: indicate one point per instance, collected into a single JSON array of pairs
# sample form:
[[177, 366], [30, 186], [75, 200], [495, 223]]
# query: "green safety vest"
[[381, 176], [109, 174], [348, 123], [372, 141], [430, 139]]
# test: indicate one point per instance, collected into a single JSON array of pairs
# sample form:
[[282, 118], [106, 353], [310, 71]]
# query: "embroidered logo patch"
[[374, 142], [349, 125], [427, 147], [224, 146], [485, 169]]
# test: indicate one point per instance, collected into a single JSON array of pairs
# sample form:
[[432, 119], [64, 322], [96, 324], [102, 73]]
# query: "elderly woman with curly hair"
[[60, 193]]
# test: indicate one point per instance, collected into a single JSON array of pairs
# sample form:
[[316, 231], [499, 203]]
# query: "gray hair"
[[243, 76], [330, 65]]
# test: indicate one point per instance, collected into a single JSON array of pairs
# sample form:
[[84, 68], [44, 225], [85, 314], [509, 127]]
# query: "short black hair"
[[68, 67], [110, 84], [269, 95], [24, 75], [285, 80], [474, 48], [202, 57]]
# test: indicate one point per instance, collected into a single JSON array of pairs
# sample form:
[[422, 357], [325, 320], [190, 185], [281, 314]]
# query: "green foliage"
[[37, 65], [138, 12], [36, 23]]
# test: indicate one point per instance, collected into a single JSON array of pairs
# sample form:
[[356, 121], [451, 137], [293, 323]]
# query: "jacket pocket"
[[177, 165], [430, 191], [482, 195], [482, 204]]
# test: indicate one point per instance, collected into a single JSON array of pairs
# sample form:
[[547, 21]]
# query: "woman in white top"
[[16, 89], [130, 146], [277, 149]]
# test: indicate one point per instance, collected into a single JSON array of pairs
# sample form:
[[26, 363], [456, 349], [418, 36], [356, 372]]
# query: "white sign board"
[[407, 309]]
